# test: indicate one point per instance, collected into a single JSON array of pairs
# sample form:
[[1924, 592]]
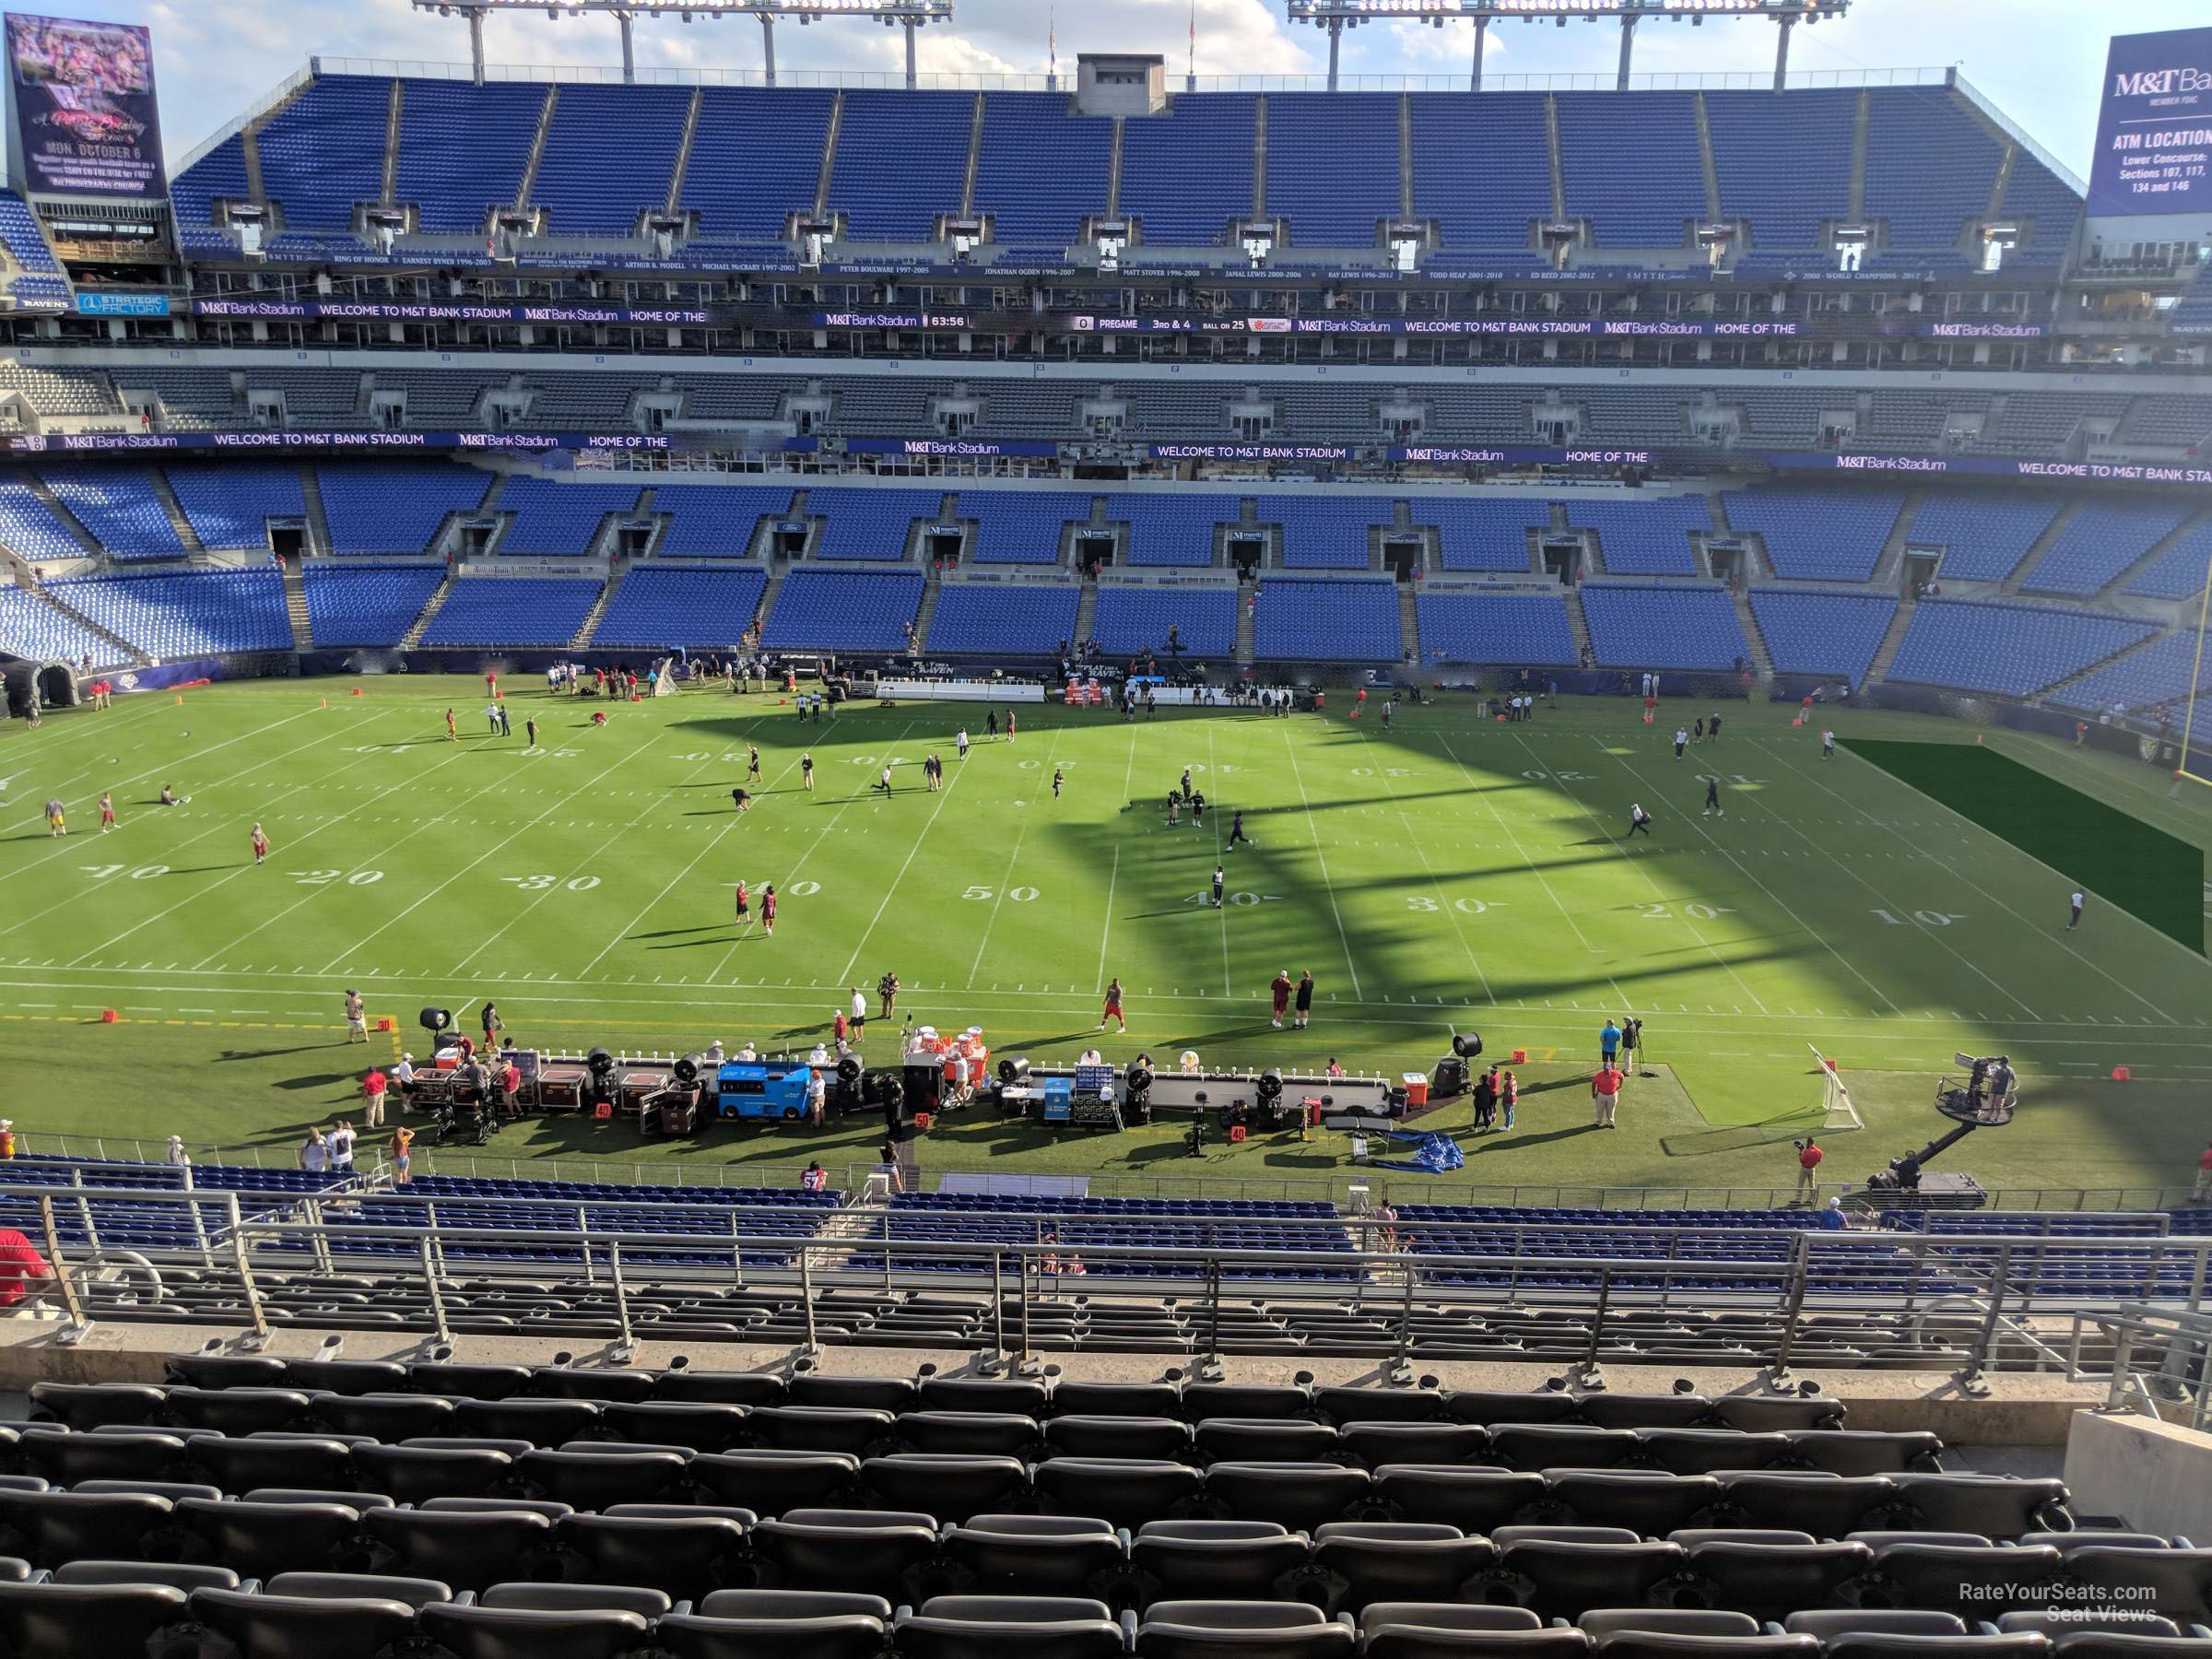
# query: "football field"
[[1444, 875]]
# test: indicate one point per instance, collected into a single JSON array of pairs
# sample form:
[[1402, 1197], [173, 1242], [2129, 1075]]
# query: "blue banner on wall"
[[121, 305], [2154, 127]]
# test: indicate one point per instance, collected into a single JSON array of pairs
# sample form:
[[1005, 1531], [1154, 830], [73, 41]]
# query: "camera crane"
[[1988, 1099]]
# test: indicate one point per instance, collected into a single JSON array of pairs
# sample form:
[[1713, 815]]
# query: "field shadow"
[[232, 1056]]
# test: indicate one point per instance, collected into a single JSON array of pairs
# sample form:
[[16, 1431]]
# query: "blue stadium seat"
[[171, 615], [557, 521], [671, 604], [755, 159], [1484, 534], [2104, 538], [462, 148], [1816, 534], [231, 506], [2013, 650], [1783, 161], [995, 619], [512, 610], [869, 524], [1333, 166], [31, 628], [219, 175], [1651, 204], [716, 520], [1930, 165], [1482, 168], [1173, 530], [819, 609], [25, 241], [1130, 620], [1020, 526], [1187, 174], [324, 151], [1680, 628], [29, 529], [1518, 629], [1325, 533], [902, 157], [1823, 633], [2180, 571], [1305, 620], [1647, 537], [369, 604], [610, 154], [2158, 674], [118, 505], [1042, 170], [1985, 536], [396, 507]]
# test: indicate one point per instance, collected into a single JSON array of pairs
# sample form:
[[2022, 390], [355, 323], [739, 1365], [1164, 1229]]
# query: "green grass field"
[[1446, 875]]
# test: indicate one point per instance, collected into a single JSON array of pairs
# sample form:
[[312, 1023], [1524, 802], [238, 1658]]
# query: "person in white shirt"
[[715, 1052], [314, 1153], [745, 1054], [1681, 741], [2074, 911], [1828, 746], [341, 1148], [177, 1157], [859, 1012]]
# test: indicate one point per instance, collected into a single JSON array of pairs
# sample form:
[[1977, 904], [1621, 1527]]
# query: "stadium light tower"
[[909, 15], [1336, 15]]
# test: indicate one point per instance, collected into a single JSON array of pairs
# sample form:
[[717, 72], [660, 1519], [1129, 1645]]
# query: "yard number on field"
[[1696, 913], [1925, 918], [143, 871]]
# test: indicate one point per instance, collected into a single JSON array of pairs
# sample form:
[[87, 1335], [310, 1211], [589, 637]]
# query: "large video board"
[[2154, 131], [85, 116]]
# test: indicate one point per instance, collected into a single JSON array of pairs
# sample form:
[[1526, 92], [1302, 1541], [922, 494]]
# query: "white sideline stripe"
[[1542, 881], [628, 759], [653, 903], [928, 824], [1321, 859], [140, 777], [189, 840], [791, 879], [1420, 852], [2057, 940], [379, 854], [1013, 858]]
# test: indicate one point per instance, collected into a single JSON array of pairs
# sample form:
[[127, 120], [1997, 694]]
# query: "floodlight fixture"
[[909, 15], [1336, 15]]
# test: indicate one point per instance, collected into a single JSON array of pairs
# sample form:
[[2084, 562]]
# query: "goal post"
[[1836, 1113], [664, 677]]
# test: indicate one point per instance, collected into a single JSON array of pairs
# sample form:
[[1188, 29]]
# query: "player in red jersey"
[[1113, 1007], [768, 909], [107, 813], [744, 905], [261, 844]]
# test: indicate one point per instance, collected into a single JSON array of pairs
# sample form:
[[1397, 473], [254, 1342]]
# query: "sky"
[[2039, 60]]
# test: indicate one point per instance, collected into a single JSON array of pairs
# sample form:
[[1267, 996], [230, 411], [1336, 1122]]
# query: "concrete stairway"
[[1410, 621], [1886, 654], [1244, 627], [537, 148], [592, 617], [1087, 614], [2056, 528], [318, 523], [431, 607], [1888, 567], [1578, 625], [927, 615], [175, 509], [64, 517], [124, 651], [1762, 660], [295, 604]]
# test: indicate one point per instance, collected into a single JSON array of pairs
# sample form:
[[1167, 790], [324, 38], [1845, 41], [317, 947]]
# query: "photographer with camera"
[[1808, 1164]]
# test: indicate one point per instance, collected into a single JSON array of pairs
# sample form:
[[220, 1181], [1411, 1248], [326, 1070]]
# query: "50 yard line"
[[1320, 858]]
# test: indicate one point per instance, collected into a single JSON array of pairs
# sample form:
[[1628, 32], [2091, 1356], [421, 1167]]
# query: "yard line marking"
[[220, 783], [812, 847], [379, 856], [1228, 979], [141, 777], [1442, 900], [653, 903], [1106, 930], [1542, 881], [1013, 858], [1778, 901], [189, 841], [929, 823], [735, 818], [1977, 886], [1342, 938], [626, 760]]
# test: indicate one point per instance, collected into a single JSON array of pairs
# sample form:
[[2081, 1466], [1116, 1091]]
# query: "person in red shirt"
[[374, 1087], [1605, 1094], [1808, 1160], [491, 684], [768, 909], [510, 1089], [23, 1271], [837, 1026], [2204, 1176], [1281, 989]]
